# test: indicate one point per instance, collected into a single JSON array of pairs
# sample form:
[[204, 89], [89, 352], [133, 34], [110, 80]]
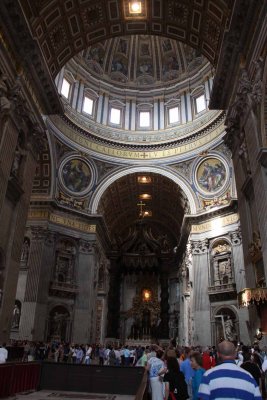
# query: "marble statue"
[[16, 317], [230, 333]]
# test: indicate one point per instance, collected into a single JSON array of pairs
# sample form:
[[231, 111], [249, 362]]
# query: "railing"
[[142, 391], [63, 288], [18, 377], [229, 287]]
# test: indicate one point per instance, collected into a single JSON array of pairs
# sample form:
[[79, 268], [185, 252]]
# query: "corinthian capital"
[[199, 247], [38, 232], [86, 246]]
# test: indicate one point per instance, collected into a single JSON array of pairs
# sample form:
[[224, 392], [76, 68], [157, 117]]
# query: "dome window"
[[115, 116], [65, 88], [200, 103], [88, 105], [144, 119], [174, 115]]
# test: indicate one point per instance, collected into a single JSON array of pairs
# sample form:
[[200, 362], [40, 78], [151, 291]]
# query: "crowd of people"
[[175, 373]]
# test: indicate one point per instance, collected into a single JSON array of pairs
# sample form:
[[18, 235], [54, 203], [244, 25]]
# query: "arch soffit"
[[224, 306], [94, 203], [216, 240], [66, 27], [54, 305]]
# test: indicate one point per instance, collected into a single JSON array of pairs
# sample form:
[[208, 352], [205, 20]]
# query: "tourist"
[[112, 357], [88, 352], [208, 361], [175, 385], [171, 351], [118, 356], [127, 356], [155, 365], [101, 355], [187, 370], [79, 355], [142, 362], [251, 365], [3, 353], [196, 364], [227, 380], [26, 351]]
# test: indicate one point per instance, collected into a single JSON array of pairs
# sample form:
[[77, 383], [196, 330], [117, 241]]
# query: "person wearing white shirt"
[[3, 353], [88, 354]]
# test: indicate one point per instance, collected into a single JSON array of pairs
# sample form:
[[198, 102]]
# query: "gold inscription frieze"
[[60, 220], [216, 222], [134, 154]]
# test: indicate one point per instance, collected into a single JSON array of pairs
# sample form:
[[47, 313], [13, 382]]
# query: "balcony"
[[63, 289], [222, 292], [250, 296]]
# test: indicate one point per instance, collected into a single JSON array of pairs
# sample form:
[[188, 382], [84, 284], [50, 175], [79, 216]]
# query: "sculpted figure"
[[230, 333]]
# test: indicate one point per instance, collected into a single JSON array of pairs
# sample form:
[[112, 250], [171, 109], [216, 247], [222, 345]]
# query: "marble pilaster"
[[85, 299], [113, 301], [201, 304]]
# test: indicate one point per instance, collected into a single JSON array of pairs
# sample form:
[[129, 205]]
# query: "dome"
[[137, 92], [141, 61]]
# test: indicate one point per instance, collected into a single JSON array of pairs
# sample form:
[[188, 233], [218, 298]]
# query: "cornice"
[[181, 149], [90, 128]]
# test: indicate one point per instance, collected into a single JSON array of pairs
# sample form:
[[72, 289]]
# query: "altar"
[[136, 343]]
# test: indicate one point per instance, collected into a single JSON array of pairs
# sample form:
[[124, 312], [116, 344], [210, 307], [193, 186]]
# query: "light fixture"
[[147, 213], [135, 7], [144, 179], [146, 294], [145, 196]]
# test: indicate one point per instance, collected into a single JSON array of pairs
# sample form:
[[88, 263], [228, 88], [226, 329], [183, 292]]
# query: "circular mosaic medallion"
[[76, 176], [211, 175]]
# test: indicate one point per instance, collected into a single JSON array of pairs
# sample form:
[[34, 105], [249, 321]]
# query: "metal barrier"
[[93, 379], [31, 376], [19, 377]]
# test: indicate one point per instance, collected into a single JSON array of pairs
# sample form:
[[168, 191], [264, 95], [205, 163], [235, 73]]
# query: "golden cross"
[[141, 205]]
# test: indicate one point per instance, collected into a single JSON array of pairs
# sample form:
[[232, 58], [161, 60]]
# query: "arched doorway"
[[225, 325]]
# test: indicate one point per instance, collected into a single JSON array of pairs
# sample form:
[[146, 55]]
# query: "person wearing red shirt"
[[208, 361]]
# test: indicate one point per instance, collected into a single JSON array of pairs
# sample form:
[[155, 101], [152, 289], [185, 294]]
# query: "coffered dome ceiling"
[[139, 61]]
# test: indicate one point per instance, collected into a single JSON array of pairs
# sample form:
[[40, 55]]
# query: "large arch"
[[93, 206], [64, 28]]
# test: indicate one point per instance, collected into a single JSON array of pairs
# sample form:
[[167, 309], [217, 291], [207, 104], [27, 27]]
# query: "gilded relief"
[[211, 175]]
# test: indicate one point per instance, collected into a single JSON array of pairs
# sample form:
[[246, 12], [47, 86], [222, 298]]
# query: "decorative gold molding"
[[60, 220], [209, 225], [133, 154]]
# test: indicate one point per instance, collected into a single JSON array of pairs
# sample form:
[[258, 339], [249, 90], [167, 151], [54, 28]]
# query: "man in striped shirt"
[[227, 380]]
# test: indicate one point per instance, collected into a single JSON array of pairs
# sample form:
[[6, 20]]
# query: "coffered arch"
[[164, 171], [63, 28]]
